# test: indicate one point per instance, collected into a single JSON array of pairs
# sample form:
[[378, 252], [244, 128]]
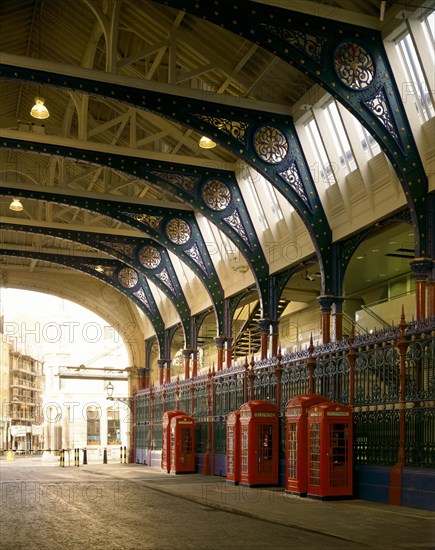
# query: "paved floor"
[[133, 507]]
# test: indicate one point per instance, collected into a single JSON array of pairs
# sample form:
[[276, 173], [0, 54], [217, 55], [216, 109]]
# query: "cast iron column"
[[422, 268], [264, 325], [325, 307], [186, 354], [220, 341], [161, 365]]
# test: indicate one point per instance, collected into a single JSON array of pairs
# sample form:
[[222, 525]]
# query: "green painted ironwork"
[[374, 390]]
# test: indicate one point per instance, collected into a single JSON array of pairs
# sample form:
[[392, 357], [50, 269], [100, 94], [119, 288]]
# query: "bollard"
[[10, 455], [85, 456], [125, 455], [105, 456], [76, 457], [120, 455], [62, 458]]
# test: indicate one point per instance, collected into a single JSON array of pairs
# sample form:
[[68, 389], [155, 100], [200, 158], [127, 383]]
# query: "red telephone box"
[[297, 442], [166, 438], [182, 444], [233, 447], [330, 451], [259, 443]]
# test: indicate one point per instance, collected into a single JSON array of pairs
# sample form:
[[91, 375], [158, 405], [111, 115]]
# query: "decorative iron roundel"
[[354, 66], [128, 277], [216, 195], [149, 257], [178, 231], [270, 144]]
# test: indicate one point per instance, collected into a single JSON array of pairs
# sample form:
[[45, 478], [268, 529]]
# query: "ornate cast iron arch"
[[143, 255], [176, 230], [114, 273], [351, 64], [250, 134]]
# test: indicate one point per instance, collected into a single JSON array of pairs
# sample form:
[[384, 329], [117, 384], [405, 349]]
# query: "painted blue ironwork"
[[419, 439], [377, 375], [331, 379], [376, 419], [233, 219], [130, 250], [236, 129], [420, 370], [114, 273], [376, 437], [351, 63], [162, 224]]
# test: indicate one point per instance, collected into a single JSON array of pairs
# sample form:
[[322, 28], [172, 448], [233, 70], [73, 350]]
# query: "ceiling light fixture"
[[39, 110], [16, 205], [206, 143]]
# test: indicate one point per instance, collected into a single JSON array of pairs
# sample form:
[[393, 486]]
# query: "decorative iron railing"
[[387, 377]]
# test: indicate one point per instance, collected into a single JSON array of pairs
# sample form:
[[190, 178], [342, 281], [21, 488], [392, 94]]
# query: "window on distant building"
[[113, 426], [93, 415]]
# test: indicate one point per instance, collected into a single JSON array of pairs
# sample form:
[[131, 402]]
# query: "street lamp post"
[[129, 402]]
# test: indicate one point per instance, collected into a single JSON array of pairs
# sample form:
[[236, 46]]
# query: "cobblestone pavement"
[[132, 507]]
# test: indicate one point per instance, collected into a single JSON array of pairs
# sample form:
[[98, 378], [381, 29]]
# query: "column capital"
[[161, 363], [422, 267], [264, 325], [274, 323], [220, 341], [187, 353], [326, 302]]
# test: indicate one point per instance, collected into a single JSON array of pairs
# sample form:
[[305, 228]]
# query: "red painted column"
[[146, 378], [395, 490], [161, 365], [431, 298], [168, 371], [325, 307], [186, 355], [220, 341], [337, 319], [274, 338], [228, 353], [420, 298], [422, 268], [140, 379], [194, 363], [264, 325]]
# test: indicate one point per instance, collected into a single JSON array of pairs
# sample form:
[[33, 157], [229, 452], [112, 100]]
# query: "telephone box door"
[[182, 444], [330, 465], [259, 443], [233, 447], [297, 442], [166, 438]]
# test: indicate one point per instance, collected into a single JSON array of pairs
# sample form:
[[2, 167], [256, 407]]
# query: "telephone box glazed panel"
[[330, 451], [182, 444], [259, 443], [297, 442], [166, 438], [233, 447]]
